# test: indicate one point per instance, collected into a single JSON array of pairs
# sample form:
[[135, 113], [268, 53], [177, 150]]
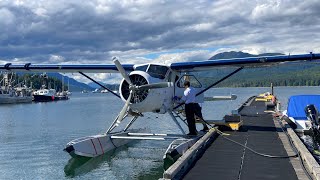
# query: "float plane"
[[148, 88]]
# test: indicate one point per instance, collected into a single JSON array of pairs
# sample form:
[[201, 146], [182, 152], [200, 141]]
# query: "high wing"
[[68, 68], [246, 62], [179, 66]]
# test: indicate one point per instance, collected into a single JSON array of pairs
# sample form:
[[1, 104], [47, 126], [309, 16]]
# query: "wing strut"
[[99, 84], [214, 84], [226, 77]]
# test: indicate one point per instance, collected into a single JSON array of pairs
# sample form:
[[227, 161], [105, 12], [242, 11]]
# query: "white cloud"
[[106, 78], [59, 31], [266, 9], [201, 27], [7, 18], [41, 12], [196, 55], [56, 58]]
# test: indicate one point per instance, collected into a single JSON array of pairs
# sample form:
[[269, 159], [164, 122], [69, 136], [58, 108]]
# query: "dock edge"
[[311, 164], [190, 156]]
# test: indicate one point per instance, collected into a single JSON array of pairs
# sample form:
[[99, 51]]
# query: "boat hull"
[[4, 99], [61, 98], [43, 98]]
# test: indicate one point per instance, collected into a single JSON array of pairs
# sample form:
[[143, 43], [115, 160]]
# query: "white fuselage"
[[158, 100]]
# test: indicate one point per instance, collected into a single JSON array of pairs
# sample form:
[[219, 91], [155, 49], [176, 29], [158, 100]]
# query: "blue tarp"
[[297, 104]]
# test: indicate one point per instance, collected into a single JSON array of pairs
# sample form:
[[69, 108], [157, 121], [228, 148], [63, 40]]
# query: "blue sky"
[[140, 31]]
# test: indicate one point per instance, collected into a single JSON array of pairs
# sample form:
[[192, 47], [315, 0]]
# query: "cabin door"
[[179, 88]]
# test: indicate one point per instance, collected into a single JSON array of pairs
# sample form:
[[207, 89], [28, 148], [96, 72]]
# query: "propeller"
[[124, 109], [121, 70], [133, 88]]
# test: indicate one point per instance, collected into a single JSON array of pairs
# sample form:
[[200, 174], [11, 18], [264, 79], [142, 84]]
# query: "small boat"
[[265, 97], [69, 93], [104, 91], [302, 115], [15, 96], [62, 95], [44, 95], [84, 91], [10, 94], [95, 91], [295, 115]]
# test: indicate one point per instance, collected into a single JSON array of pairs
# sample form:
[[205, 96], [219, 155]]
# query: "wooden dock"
[[217, 156]]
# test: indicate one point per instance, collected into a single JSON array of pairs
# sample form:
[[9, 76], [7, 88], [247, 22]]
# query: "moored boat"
[[10, 94], [14, 97], [295, 114], [95, 91], [44, 95], [84, 91], [61, 96], [104, 91]]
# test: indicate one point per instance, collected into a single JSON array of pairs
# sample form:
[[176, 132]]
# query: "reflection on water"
[[117, 162], [82, 165], [154, 173]]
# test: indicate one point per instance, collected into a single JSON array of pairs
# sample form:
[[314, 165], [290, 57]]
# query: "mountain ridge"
[[239, 54], [286, 74]]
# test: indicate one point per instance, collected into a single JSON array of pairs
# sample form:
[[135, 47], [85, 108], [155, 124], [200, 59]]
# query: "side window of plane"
[[192, 79]]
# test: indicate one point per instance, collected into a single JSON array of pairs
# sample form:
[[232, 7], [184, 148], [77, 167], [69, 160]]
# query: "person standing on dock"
[[189, 98]]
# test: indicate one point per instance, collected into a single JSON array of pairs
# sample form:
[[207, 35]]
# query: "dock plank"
[[227, 160]]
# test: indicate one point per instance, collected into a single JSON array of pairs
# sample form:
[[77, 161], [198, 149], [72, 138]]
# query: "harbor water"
[[33, 135]]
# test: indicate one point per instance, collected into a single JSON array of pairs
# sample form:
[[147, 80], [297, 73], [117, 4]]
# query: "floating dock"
[[216, 156]]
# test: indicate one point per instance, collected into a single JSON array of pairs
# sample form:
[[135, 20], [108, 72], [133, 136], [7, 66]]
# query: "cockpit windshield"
[[157, 71], [142, 68]]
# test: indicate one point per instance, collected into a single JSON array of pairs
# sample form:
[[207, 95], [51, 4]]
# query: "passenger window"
[[192, 79]]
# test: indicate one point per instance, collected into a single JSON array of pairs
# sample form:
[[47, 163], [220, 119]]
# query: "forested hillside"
[[288, 74]]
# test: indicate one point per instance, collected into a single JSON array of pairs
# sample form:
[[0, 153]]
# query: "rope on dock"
[[245, 146]]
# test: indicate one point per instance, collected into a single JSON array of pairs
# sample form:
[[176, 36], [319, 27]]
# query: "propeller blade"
[[124, 109], [121, 70], [155, 85]]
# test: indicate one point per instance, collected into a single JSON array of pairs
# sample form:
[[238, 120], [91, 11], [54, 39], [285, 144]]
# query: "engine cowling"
[[139, 95], [145, 100]]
